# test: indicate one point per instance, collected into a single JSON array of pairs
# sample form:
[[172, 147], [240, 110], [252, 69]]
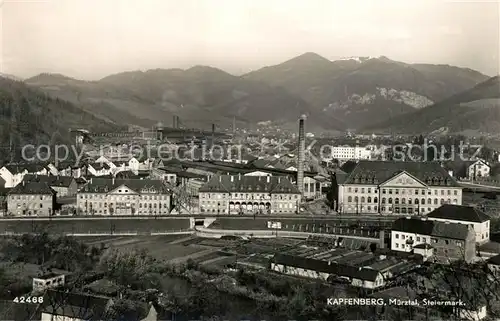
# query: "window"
[[369, 199], [349, 189], [418, 238], [447, 242], [455, 192], [375, 200], [383, 200], [416, 192], [397, 245], [434, 240], [435, 201], [369, 190], [424, 239]]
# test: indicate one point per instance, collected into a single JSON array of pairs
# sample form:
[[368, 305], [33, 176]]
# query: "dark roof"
[[2, 182], [105, 185], [19, 168], [377, 172], [53, 181], [79, 306], [191, 175], [459, 213], [49, 275], [99, 166], [432, 228], [38, 188], [268, 184], [4, 191], [494, 260], [367, 274]]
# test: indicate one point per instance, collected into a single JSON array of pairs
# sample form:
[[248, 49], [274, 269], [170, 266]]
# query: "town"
[[360, 221]]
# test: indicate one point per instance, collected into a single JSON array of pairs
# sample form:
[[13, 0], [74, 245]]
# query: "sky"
[[90, 39]]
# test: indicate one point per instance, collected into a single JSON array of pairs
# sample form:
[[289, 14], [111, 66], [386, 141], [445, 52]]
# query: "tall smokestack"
[[213, 133], [301, 156], [174, 122]]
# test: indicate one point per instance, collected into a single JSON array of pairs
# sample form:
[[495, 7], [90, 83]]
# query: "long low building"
[[372, 272]]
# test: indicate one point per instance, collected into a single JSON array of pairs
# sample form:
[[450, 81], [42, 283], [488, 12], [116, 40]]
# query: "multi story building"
[[345, 153], [48, 281], [467, 215], [31, 199], [449, 241], [62, 185], [13, 174], [390, 187], [108, 196], [478, 169], [237, 194]]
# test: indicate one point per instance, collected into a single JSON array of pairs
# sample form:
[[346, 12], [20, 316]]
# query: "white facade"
[[100, 171], [345, 153], [124, 201], [13, 179], [52, 317], [478, 169], [402, 194]]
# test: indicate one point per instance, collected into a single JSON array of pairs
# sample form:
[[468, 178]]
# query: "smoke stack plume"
[[301, 156]]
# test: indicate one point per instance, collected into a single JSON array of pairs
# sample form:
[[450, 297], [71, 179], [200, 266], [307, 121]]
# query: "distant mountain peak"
[[308, 57], [357, 59]]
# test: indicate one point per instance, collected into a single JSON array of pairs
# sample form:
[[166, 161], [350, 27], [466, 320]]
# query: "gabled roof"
[[32, 188], [53, 181], [106, 185], [249, 184], [376, 172], [99, 166], [495, 260], [73, 305], [19, 168], [414, 225], [459, 213]]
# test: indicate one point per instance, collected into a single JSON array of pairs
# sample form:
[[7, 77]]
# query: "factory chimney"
[[174, 122], [301, 155], [213, 134]]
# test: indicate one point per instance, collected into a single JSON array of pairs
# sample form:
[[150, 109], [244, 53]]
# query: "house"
[[236, 194], [99, 169], [467, 215], [345, 153], [63, 185], [388, 187], [450, 241], [13, 174], [478, 169], [494, 264], [425, 250], [31, 198], [109, 196], [47, 281], [167, 174]]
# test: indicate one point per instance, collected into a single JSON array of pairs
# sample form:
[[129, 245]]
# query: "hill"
[[28, 116], [363, 90], [476, 110], [199, 96]]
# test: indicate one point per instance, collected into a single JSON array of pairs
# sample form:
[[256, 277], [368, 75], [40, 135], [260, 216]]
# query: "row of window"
[[422, 239], [383, 209], [403, 201], [401, 191], [141, 205], [125, 197], [29, 197], [249, 196]]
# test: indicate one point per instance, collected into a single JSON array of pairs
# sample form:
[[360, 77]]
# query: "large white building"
[[478, 169], [390, 187], [103, 196], [13, 174], [345, 153], [237, 194]]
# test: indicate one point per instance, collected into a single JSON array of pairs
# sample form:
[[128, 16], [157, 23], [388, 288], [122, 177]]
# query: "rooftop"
[[459, 213], [433, 228], [377, 172], [35, 188], [258, 184], [105, 185]]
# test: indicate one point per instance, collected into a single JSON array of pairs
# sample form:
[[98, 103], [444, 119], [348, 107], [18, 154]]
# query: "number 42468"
[[29, 299]]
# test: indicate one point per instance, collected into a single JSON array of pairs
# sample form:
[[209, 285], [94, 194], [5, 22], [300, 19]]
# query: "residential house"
[[13, 174], [63, 185], [31, 199], [167, 174], [467, 215], [388, 187], [99, 169], [478, 169], [109, 196], [450, 241], [237, 194]]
